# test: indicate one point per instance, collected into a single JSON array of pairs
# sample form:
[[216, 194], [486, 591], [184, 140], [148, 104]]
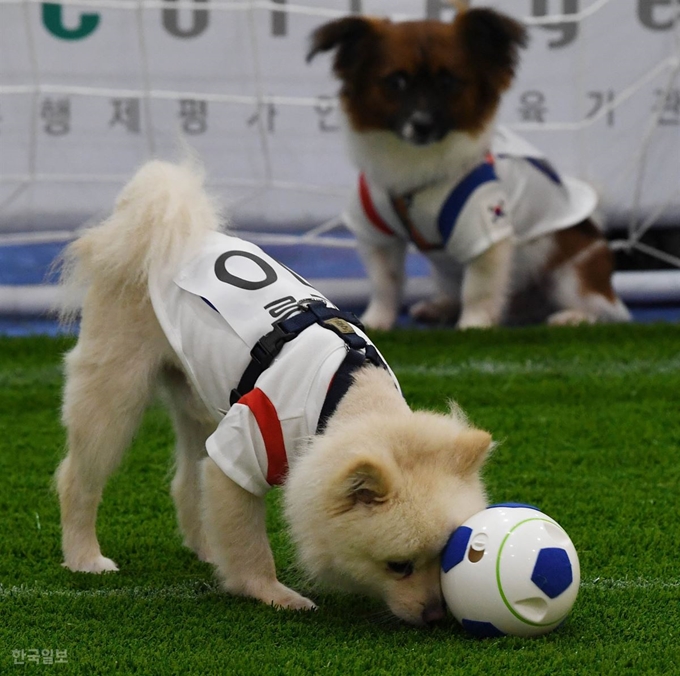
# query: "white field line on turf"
[[628, 583], [574, 367], [193, 590], [491, 367], [188, 590]]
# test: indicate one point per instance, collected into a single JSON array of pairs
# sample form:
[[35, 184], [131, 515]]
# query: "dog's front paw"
[[475, 319], [98, 564], [435, 311], [204, 555], [280, 596], [570, 318], [291, 600], [378, 318]]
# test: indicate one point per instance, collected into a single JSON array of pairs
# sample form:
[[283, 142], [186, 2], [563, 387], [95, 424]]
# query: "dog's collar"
[[407, 196], [401, 203]]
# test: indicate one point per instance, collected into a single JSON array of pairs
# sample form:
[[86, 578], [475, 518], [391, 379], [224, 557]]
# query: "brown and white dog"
[[500, 227]]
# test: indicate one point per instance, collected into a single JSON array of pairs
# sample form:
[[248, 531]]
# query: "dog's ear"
[[472, 447], [493, 41], [367, 483], [350, 36]]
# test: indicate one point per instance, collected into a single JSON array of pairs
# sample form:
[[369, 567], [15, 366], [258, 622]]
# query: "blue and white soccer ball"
[[510, 569]]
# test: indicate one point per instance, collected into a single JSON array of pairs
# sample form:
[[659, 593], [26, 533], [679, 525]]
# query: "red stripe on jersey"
[[369, 208], [270, 427]]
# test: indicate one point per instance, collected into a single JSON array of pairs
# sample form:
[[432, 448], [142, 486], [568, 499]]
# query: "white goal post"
[[91, 88]]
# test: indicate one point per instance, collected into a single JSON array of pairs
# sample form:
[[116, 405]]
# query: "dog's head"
[[371, 506], [422, 79]]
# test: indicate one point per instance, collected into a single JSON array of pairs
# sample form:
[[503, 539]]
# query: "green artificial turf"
[[589, 425]]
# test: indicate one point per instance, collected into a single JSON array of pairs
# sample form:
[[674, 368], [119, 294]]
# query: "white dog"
[[277, 385]]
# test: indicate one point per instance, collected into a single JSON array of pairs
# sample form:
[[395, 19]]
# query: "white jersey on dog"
[[514, 191], [213, 311]]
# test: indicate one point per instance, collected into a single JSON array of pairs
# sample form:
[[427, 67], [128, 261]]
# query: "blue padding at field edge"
[[27, 264], [34, 326], [321, 262]]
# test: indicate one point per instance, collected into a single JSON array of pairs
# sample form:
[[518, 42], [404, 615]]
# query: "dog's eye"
[[403, 568], [397, 81]]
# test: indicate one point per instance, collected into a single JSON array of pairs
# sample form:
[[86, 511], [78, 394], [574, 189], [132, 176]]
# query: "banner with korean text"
[[90, 89]]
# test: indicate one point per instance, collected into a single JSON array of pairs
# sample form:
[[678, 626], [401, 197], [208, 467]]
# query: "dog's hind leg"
[[582, 288], [193, 426], [110, 375], [234, 523]]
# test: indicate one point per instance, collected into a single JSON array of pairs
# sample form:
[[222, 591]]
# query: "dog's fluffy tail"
[[159, 217]]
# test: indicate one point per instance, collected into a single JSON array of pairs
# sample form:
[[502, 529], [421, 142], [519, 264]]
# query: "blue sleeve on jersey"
[[545, 168], [456, 200]]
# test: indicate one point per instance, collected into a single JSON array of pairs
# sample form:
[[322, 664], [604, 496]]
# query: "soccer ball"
[[510, 569]]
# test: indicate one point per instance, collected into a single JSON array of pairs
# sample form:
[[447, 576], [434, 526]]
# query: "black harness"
[[283, 331]]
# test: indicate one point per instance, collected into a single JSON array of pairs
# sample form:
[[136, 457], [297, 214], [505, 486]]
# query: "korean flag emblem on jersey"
[[474, 215]]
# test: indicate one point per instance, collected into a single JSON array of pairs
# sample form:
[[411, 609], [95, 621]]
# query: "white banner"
[[91, 88]]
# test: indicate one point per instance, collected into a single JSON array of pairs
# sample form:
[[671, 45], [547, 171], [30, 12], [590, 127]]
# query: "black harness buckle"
[[269, 346]]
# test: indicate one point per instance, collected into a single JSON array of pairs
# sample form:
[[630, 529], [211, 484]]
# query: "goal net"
[[89, 89]]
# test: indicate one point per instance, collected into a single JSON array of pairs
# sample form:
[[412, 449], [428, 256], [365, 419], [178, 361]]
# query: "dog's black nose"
[[420, 128], [422, 124], [433, 612]]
